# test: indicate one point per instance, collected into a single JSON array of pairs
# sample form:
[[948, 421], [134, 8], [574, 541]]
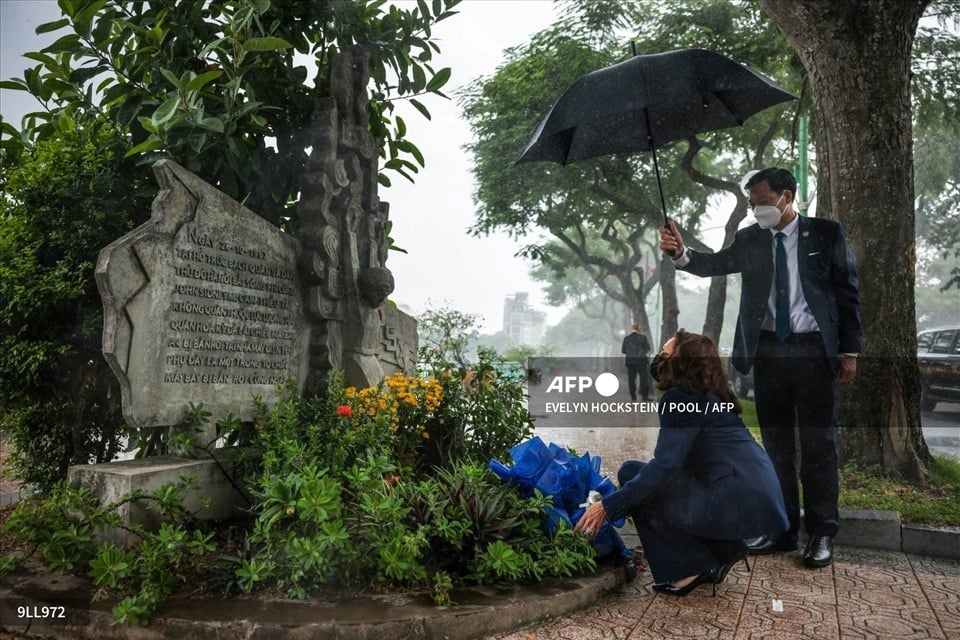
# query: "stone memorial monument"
[[209, 303], [203, 303]]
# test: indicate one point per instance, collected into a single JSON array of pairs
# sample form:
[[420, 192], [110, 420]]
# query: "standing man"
[[799, 328], [636, 348]]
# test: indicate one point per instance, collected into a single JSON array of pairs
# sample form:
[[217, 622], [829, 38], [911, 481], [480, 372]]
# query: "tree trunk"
[[857, 57], [716, 299], [671, 308]]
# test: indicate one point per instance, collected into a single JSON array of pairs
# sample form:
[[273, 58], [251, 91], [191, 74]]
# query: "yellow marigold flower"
[[425, 435]]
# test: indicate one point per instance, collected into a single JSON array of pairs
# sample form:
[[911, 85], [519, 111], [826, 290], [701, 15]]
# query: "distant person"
[[636, 348], [709, 484], [799, 328]]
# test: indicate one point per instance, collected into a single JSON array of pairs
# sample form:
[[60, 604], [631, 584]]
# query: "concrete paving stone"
[[786, 631], [783, 577], [940, 582], [626, 608], [883, 624], [574, 627]]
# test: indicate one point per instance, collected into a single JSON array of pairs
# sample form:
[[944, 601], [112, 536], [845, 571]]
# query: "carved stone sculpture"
[[343, 230]]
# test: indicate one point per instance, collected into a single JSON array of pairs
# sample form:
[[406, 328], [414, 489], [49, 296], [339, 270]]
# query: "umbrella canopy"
[[648, 101]]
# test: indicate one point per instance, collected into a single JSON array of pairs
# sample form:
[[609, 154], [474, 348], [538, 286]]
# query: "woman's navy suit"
[[708, 486]]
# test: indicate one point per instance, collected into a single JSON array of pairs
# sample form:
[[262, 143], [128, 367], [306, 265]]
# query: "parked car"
[[938, 355]]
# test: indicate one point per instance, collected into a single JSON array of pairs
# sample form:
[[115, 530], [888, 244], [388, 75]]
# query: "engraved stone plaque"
[[203, 303]]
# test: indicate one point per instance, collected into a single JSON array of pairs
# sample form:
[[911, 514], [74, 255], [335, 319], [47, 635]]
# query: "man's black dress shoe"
[[771, 544], [819, 552]]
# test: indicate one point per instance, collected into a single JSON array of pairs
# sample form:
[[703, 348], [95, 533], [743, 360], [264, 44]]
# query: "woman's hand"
[[589, 525]]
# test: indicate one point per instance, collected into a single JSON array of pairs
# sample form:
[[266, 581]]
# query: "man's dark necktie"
[[783, 290]]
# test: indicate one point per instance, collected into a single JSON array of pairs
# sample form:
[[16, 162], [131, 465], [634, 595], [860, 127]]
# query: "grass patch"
[[937, 504], [749, 417]]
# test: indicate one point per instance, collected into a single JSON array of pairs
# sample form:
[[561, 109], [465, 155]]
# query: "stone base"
[[939, 542], [112, 480], [868, 528]]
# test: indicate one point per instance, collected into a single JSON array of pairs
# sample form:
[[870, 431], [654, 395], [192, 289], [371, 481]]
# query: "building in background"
[[522, 323]]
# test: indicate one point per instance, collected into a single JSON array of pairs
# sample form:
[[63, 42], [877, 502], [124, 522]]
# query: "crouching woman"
[[709, 484]]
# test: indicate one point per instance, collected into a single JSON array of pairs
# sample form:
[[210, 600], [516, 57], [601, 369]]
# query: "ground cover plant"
[[371, 489]]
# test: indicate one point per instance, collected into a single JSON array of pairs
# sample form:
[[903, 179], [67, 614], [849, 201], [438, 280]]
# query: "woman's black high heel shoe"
[[703, 578], [720, 574]]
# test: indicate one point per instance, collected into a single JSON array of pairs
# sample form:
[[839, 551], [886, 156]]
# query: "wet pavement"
[[865, 594]]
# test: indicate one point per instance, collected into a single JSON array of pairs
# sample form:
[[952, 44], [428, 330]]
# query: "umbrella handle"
[[666, 226]]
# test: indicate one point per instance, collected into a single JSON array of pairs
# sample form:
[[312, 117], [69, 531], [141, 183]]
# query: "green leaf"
[[47, 27], [79, 76], [213, 124], [64, 44], [171, 78], [13, 84], [166, 111], [144, 147], [148, 125], [203, 79], [267, 43], [419, 107], [39, 57], [439, 79], [419, 77]]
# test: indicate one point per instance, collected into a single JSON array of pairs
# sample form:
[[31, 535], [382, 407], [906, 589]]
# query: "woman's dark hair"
[[695, 365]]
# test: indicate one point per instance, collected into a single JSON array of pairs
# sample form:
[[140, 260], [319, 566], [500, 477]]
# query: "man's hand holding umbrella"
[[671, 242]]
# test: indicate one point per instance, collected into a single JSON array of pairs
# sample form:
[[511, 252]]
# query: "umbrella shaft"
[[656, 167]]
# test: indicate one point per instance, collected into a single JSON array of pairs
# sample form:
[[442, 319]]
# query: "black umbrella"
[[648, 101]]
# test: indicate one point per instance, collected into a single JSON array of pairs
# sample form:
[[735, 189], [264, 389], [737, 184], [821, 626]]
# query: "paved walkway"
[[865, 594]]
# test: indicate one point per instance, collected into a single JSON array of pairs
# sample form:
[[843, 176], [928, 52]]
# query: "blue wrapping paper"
[[568, 479]]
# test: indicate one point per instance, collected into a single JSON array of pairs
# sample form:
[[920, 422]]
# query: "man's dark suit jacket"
[[708, 476], [828, 275], [635, 347]]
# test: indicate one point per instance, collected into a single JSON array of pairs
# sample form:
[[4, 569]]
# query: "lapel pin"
[[805, 234]]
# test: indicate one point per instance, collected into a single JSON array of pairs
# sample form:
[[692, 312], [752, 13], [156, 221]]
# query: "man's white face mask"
[[767, 216]]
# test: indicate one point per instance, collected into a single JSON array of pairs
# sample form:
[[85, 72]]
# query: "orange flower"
[[344, 411]]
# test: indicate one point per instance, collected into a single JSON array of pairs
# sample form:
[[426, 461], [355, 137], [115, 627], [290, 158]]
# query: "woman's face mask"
[[655, 365]]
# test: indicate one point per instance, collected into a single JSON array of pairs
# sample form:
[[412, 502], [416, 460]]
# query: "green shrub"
[[61, 204], [483, 413]]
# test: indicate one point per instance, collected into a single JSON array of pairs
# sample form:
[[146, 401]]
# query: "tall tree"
[[223, 86], [613, 200], [857, 55], [936, 100]]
